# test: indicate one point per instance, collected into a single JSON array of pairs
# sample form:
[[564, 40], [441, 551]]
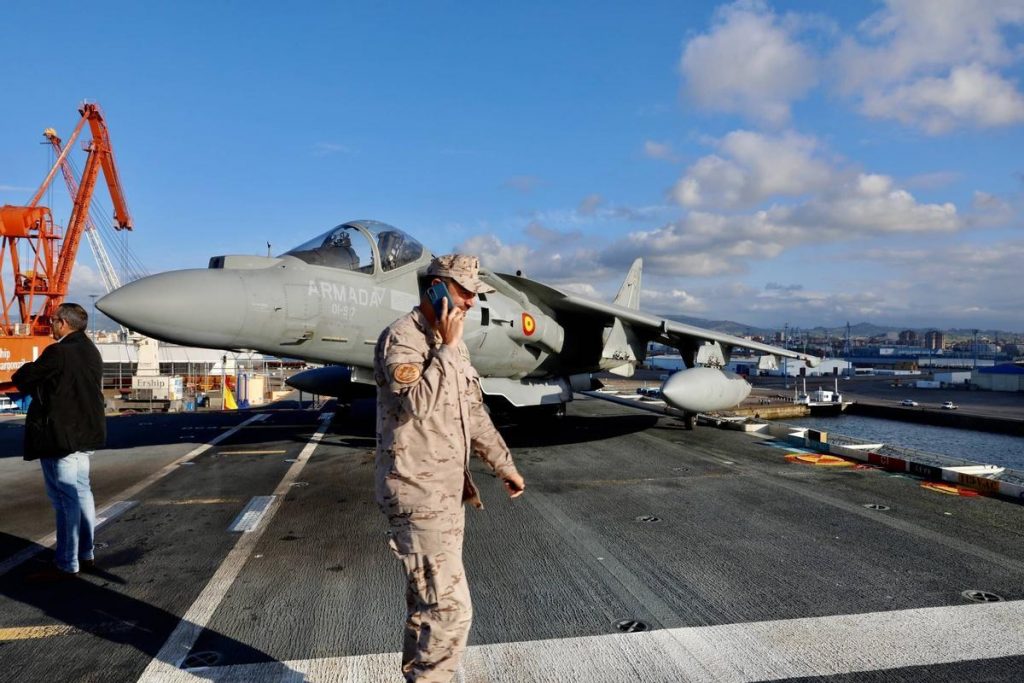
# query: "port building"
[[1002, 377]]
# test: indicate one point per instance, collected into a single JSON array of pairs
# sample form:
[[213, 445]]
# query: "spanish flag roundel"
[[529, 324]]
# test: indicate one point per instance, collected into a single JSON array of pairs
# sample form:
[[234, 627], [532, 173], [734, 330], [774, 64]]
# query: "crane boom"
[[101, 147], [53, 256], [100, 157], [111, 281]]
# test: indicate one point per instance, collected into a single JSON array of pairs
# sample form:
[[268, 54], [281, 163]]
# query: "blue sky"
[[772, 162]]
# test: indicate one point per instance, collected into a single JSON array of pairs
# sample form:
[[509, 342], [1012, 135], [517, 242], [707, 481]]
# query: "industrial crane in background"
[[111, 280], [40, 282]]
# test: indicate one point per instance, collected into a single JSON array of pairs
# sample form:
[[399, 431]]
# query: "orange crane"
[[40, 285]]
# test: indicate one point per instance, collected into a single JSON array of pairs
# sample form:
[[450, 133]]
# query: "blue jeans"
[[67, 485]]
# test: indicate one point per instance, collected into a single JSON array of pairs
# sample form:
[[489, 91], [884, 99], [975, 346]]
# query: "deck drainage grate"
[[201, 659], [631, 626], [981, 596], [876, 506], [651, 519]]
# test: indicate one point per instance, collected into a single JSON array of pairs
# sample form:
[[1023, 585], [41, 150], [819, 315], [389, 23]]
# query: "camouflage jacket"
[[430, 417]]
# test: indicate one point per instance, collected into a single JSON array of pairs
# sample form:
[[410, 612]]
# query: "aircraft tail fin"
[[629, 292]]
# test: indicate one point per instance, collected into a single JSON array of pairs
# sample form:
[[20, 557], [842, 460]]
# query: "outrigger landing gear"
[[555, 411], [690, 420]]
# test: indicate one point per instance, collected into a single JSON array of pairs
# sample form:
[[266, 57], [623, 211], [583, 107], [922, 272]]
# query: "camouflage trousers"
[[438, 608]]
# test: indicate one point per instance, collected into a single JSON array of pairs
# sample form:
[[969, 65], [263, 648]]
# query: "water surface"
[[984, 447]]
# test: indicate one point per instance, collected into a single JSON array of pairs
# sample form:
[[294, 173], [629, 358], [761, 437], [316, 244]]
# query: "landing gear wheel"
[[552, 412], [690, 421]]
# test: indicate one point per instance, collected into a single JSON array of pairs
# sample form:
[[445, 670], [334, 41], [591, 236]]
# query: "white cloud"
[[709, 244], [962, 284], [779, 287], [85, 282], [933, 181], [869, 205], [549, 237], [990, 210], [753, 167], [956, 285], [971, 95], [909, 37], [935, 65], [586, 289], [748, 63], [557, 259], [672, 300], [659, 150], [495, 255]]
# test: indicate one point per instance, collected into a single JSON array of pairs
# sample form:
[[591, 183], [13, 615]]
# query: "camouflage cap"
[[462, 268]]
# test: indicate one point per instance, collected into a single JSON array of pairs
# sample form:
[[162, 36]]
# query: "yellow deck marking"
[[195, 501], [251, 452], [52, 630], [948, 489], [32, 632], [283, 426], [818, 459]]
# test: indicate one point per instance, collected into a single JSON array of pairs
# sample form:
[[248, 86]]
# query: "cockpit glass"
[[396, 247], [348, 247], [344, 247]]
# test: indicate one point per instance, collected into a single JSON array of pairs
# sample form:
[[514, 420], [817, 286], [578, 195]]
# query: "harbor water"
[[983, 447]]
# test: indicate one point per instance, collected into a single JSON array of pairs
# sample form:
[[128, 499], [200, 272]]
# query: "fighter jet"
[[327, 300]]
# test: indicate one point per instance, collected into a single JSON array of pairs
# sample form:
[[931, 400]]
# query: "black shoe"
[[50, 575], [87, 566]]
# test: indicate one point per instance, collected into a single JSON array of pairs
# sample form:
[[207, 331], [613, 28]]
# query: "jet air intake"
[[701, 390]]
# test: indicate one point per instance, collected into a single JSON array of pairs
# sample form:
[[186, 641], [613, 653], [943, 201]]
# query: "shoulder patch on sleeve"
[[406, 373]]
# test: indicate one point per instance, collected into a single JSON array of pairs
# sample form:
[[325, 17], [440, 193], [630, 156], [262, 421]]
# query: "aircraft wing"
[[650, 327]]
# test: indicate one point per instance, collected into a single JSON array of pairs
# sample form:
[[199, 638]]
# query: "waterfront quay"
[[878, 396], [996, 411]]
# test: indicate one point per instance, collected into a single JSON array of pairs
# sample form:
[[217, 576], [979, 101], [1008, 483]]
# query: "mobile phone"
[[438, 293]]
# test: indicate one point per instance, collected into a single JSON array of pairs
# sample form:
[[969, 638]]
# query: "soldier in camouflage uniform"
[[430, 417]]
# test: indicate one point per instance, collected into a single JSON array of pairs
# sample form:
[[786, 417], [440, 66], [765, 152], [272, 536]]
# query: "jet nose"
[[193, 307]]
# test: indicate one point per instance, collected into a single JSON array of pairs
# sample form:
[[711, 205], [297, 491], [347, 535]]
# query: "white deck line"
[[103, 516], [732, 653], [165, 665], [49, 540], [251, 515]]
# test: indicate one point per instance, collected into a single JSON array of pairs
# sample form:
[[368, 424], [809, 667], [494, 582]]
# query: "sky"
[[773, 163]]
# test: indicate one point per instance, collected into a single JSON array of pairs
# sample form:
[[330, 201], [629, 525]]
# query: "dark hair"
[[74, 315], [423, 279]]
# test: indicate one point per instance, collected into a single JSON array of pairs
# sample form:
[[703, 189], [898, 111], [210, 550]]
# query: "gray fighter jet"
[[327, 300]]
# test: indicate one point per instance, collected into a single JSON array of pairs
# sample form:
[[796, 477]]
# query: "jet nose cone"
[[192, 307]]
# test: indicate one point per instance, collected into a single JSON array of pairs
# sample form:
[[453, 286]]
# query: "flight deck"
[[247, 547]]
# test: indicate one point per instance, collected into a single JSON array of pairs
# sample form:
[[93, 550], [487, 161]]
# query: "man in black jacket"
[[65, 423]]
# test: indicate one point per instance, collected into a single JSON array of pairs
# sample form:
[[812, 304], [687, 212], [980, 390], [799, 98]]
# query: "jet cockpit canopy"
[[358, 246]]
